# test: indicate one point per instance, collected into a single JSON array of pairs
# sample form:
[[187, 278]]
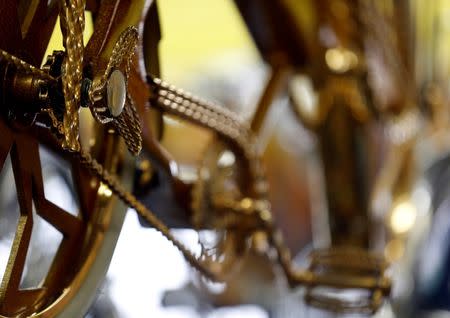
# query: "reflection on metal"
[[104, 191], [340, 60], [403, 217]]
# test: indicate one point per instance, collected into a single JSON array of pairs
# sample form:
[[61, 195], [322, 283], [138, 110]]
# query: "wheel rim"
[[82, 234]]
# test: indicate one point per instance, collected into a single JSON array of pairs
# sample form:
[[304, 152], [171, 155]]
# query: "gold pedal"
[[347, 280]]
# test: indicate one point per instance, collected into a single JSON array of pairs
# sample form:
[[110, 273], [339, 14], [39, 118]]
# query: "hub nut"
[[116, 92]]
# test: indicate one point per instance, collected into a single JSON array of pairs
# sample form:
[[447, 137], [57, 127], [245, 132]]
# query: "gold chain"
[[228, 125], [72, 27], [24, 66], [216, 118], [128, 198]]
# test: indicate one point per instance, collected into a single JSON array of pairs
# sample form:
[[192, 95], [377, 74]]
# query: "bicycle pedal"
[[347, 280]]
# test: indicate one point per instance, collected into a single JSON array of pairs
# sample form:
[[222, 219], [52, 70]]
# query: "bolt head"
[[116, 91]]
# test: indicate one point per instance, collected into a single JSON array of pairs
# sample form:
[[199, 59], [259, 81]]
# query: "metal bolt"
[[116, 91]]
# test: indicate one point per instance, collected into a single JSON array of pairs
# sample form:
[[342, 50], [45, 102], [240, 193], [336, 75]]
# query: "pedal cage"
[[342, 274]]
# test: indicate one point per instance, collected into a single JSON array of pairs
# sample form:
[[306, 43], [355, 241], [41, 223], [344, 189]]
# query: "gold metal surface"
[[72, 25]]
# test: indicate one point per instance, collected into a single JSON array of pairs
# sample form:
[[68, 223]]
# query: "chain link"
[[216, 118], [117, 188], [228, 125], [72, 27]]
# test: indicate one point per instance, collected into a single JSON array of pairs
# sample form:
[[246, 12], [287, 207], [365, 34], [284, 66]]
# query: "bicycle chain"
[[72, 27], [222, 121], [228, 125]]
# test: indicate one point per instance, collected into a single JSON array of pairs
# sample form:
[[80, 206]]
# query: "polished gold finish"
[[24, 66], [84, 234], [72, 25]]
